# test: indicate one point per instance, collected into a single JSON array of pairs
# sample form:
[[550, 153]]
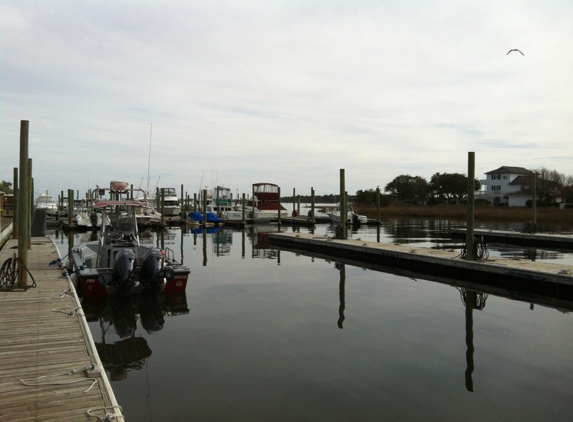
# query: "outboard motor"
[[151, 271], [123, 276], [93, 219]]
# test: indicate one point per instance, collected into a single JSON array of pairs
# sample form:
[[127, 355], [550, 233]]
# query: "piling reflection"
[[471, 300], [124, 315]]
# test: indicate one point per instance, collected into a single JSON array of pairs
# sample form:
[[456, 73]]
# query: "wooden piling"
[[312, 219], [24, 203], [470, 239], [343, 205]]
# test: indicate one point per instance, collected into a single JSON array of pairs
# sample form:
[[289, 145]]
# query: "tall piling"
[[23, 203], [312, 205], [343, 205], [16, 193], [470, 239]]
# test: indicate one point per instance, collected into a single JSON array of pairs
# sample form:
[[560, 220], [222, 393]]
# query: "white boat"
[[48, 203], [351, 216], [220, 203], [171, 203], [117, 264], [265, 203]]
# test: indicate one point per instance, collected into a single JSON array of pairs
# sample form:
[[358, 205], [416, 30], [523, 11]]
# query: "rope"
[[480, 250], [35, 382], [10, 274], [67, 313], [108, 416]]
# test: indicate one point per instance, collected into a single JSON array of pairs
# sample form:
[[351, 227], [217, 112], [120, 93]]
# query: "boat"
[[351, 216], [221, 203], [212, 218], [117, 264], [264, 205], [48, 203], [171, 203]]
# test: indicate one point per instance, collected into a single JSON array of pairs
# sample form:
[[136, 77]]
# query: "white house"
[[506, 185]]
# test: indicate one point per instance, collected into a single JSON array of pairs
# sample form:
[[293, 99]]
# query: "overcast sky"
[[288, 92]]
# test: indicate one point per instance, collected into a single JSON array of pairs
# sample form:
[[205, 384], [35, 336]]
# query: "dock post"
[[534, 203], [243, 202], [16, 193], [343, 205], [470, 239], [253, 202], [23, 203], [194, 202], [298, 206], [279, 209], [378, 220], [70, 207], [293, 201], [162, 199], [182, 202], [312, 205], [204, 207], [30, 212]]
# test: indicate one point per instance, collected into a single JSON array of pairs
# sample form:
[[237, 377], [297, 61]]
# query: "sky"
[[202, 93]]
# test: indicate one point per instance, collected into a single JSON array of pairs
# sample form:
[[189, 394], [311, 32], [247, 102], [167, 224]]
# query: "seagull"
[[515, 49]]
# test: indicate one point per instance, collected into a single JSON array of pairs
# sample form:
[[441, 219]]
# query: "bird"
[[515, 49]]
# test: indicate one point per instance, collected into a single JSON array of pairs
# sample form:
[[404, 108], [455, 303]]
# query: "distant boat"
[[48, 203], [265, 203], [351, 216], [171, 203]]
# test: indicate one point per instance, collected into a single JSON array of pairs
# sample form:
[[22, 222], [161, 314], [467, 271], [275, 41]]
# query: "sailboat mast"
[[149, 158]]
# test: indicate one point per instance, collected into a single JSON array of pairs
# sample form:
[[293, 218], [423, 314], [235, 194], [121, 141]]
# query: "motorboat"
[[48, 203], [265, 204], [117, 264], [171, 206], [351, 216], [211, 218]]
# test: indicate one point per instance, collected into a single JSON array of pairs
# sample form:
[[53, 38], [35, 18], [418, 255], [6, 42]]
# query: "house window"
[[496, 187], [505, 176], [495, 177]]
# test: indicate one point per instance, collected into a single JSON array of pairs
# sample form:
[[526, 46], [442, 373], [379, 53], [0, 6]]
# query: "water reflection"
[[471, 300], [124, 314]]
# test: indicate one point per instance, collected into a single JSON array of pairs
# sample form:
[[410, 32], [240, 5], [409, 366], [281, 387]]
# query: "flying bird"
[[515, 49]]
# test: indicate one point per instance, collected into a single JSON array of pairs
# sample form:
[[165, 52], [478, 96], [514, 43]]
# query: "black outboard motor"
[[151, 271], [123, 276], [93, 219]]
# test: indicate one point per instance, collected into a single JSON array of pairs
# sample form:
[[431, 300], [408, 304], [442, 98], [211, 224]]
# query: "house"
[[507, 186]]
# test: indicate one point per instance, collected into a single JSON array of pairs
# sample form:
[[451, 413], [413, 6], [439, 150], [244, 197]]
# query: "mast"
[[149, 159]]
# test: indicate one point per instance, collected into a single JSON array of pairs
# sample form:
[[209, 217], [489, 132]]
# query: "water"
[[271, 335]]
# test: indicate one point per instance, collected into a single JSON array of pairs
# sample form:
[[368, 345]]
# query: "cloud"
[[286, 91]]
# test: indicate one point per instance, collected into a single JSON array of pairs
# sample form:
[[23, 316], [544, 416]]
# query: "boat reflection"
[[124, 314]]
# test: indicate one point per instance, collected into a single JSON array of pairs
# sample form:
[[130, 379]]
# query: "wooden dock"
[[539, 240], [551, 279], [49, 367]]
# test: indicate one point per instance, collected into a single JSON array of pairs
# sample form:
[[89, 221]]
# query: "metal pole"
[[470, 239], [23, 202]]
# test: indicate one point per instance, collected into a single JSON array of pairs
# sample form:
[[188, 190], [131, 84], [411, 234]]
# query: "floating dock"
[[539, 240], [50, 370], [551, 279]]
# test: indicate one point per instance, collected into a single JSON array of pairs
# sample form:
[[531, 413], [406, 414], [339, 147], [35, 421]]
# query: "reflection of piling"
[[470, 300], [341, 294]]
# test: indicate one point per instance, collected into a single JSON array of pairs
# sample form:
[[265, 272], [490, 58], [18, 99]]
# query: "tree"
[[407, 188], [6, 187], [450, 187]]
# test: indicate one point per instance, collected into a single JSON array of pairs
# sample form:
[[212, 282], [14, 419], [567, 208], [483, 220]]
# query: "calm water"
[[274, 336]]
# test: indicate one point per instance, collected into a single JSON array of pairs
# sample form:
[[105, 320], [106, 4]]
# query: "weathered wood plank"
[[43, 335]]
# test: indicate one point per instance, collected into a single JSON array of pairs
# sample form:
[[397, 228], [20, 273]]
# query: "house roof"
[[521, 181], [509, 169]]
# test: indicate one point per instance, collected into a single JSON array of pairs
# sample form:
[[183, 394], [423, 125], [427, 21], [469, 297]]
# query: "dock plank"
[[45, 344]]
